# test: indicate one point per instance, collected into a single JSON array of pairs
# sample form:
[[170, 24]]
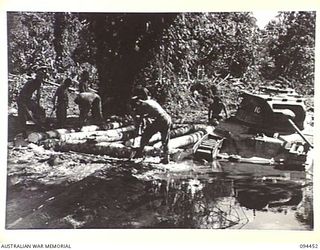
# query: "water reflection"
[[192, 203], [217, 196], [220, 200]]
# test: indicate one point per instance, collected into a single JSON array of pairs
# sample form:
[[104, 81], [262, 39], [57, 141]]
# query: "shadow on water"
[[218, 196]]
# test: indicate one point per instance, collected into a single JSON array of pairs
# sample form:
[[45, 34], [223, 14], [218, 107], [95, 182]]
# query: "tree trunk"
[[130, 44], [58, 27]]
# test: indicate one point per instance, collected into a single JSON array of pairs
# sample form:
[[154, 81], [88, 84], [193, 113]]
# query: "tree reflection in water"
[[191, 204], [217, 201], [193, 197]]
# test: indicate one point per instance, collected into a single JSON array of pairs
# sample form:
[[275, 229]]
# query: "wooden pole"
[[299, 132]]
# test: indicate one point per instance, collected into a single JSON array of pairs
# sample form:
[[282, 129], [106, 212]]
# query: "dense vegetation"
[[168, 53]]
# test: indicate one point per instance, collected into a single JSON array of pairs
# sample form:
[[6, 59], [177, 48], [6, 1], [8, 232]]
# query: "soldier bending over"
[[89, 101], [161, 122]]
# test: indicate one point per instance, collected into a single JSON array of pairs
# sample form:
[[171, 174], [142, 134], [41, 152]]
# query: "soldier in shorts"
[[61, 96], [89, 101], [144, 107], [28, 107]]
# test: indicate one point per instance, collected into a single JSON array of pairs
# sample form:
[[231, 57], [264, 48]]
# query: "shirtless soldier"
[[215, 108], [62, 98], [84, 82], [26, 105], [145, 107], [89, 101]]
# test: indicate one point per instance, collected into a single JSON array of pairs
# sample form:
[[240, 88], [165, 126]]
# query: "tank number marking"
[[257, 110]]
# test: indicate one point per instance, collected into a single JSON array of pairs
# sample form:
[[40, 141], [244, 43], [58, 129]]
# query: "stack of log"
[[115, 139]]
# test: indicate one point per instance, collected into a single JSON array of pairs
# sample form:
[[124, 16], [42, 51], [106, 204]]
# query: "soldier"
[[89, 101], [62, 98], [215, 108], [142, 92], [27, 107], [144, 107], [84, 82]]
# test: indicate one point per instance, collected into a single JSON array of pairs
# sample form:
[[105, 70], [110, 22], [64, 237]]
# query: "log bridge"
[[115, 139]]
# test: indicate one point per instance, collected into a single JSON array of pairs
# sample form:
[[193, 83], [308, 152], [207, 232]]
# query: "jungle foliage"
[[166, 52]]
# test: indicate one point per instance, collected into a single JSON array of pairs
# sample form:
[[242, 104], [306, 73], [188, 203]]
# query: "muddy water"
[[122, 194]]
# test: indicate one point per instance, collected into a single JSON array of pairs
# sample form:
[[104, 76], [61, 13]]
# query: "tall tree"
[[291, 48], [58, 29], [123, 43]]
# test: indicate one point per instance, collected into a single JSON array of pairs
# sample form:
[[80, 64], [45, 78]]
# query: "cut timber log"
[[113, 149], [108, 135], [111, 125], [178, 131], [52, 134], [103, 148], [35, 137], [182, 141]]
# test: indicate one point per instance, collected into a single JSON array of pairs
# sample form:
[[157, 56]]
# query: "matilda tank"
[[269, 124]]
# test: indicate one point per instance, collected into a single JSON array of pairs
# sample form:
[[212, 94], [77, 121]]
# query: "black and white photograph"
[[160, 120]]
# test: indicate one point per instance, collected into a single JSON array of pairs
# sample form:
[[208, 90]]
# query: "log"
[[120, 137], [111, 125], [103, 148], [178, 131], [112, 149], [35, 137], [108, 135], [116, 149], [90, 128], [182, 141]]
